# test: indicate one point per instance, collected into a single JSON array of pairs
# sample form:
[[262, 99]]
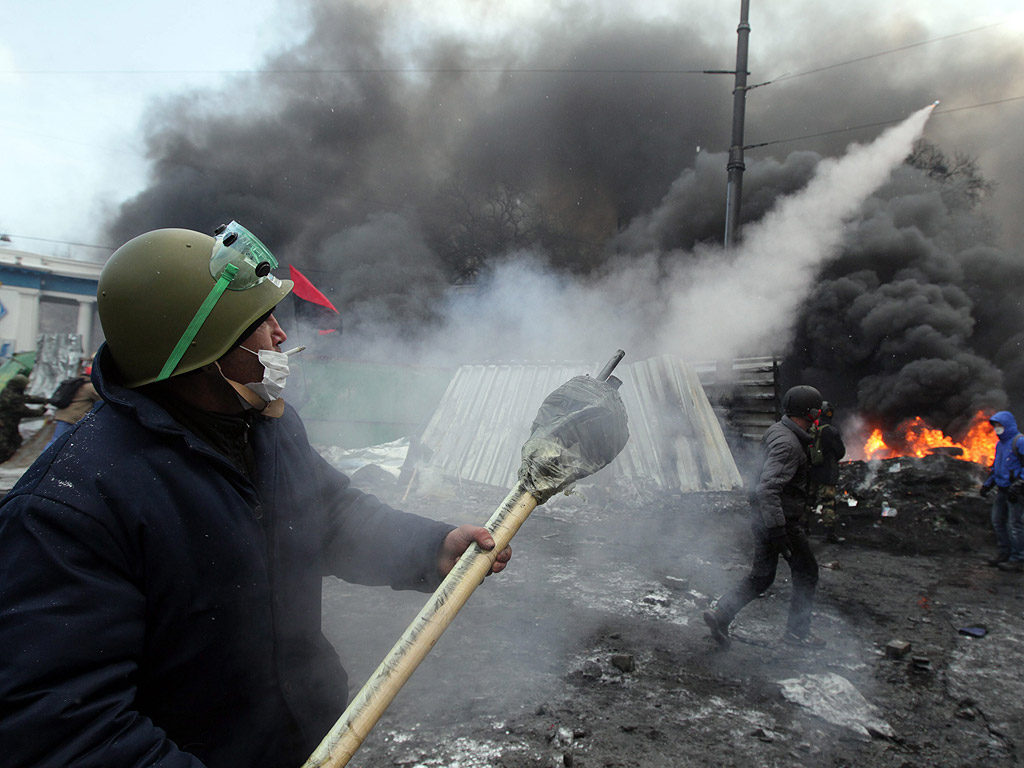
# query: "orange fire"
[[918, 439]]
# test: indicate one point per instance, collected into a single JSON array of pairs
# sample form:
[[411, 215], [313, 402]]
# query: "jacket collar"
[[801, 434], [150, 413]]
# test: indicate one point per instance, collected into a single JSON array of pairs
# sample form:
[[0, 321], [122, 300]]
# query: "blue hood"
[[1009, 424], [1006, 464]]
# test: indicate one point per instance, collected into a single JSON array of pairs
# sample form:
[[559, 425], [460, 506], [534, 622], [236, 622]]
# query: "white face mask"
[[998, 429], [275, 374]]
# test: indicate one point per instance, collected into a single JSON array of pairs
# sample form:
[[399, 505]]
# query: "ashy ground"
[[590, 650]]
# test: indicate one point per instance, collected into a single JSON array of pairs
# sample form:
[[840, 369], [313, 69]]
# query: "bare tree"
[[470, 228], [959, 174]]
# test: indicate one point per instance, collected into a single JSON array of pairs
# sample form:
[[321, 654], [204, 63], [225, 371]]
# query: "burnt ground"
[[590, 649]]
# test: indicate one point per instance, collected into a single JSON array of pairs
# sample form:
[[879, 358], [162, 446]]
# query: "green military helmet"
[[173, 300]]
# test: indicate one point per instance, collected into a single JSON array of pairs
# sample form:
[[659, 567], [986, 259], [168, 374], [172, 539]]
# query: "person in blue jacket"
[[161, 563], [1005, 477]]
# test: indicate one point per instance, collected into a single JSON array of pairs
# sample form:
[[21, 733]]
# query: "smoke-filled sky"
[[578, 149]]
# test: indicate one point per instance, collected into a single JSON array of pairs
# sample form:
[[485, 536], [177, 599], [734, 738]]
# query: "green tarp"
[[19, 362], [354, 404]]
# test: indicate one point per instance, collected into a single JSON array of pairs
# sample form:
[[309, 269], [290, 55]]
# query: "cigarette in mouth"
[[295, 351]]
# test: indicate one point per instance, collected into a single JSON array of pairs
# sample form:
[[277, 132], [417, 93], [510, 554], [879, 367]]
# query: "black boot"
[[719, 629]]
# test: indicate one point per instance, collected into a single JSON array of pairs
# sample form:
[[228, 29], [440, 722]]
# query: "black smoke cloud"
[[907, 320], [907, 316], [351, 156]]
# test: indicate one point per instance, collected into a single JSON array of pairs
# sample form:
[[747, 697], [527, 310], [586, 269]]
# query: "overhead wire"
[[878, 124], [485, 70], [827, 67], [745, 147], [374, 70], [10, 236], [549, 70], [880, 54]]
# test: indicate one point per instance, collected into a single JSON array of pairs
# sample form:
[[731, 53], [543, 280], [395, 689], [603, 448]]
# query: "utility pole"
[[735, 166]]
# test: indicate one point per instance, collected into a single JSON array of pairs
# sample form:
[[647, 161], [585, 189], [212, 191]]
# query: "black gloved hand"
[[985, 490], [1017, 489], [778, 537]]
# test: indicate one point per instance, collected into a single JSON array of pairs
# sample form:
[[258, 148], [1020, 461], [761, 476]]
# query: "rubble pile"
[[914, 505]]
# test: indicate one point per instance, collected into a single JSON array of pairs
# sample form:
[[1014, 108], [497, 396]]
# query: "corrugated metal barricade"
[[485, 415], [675, 442], [675, 438], [744, 393]]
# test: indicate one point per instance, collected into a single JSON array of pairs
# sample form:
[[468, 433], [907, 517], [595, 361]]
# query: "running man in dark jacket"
[[1006, 476], [778, 503], [161, 563]]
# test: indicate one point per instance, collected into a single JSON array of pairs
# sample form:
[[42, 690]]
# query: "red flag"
[[306, 290]]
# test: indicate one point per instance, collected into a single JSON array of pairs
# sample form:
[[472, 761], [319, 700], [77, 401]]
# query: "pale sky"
[[75, 77], [74, 81]]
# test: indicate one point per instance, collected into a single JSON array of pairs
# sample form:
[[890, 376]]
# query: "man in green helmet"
[[161, 562]]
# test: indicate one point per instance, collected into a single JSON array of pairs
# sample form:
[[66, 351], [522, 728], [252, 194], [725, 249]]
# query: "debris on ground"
[[591, 650], [596, 630]]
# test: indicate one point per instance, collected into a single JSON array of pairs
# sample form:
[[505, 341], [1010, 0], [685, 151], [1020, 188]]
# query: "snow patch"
[[835, 699]]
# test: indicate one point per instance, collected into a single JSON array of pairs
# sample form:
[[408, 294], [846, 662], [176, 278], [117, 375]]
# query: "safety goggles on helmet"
[[237, 246], [239, 262]]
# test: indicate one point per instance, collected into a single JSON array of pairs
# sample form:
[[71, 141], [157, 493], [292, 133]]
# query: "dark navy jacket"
[[159, 609], [1006, 464]]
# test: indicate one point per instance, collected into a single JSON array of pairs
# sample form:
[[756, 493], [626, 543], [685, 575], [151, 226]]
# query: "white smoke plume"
[[710, 304], [752, 303]]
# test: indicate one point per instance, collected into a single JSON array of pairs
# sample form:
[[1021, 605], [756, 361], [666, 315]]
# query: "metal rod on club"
[[610, 365]]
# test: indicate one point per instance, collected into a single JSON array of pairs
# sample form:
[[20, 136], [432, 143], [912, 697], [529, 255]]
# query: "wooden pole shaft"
[[365, 710]]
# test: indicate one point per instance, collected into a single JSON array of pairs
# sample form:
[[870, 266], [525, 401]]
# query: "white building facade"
[[45, 294]]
